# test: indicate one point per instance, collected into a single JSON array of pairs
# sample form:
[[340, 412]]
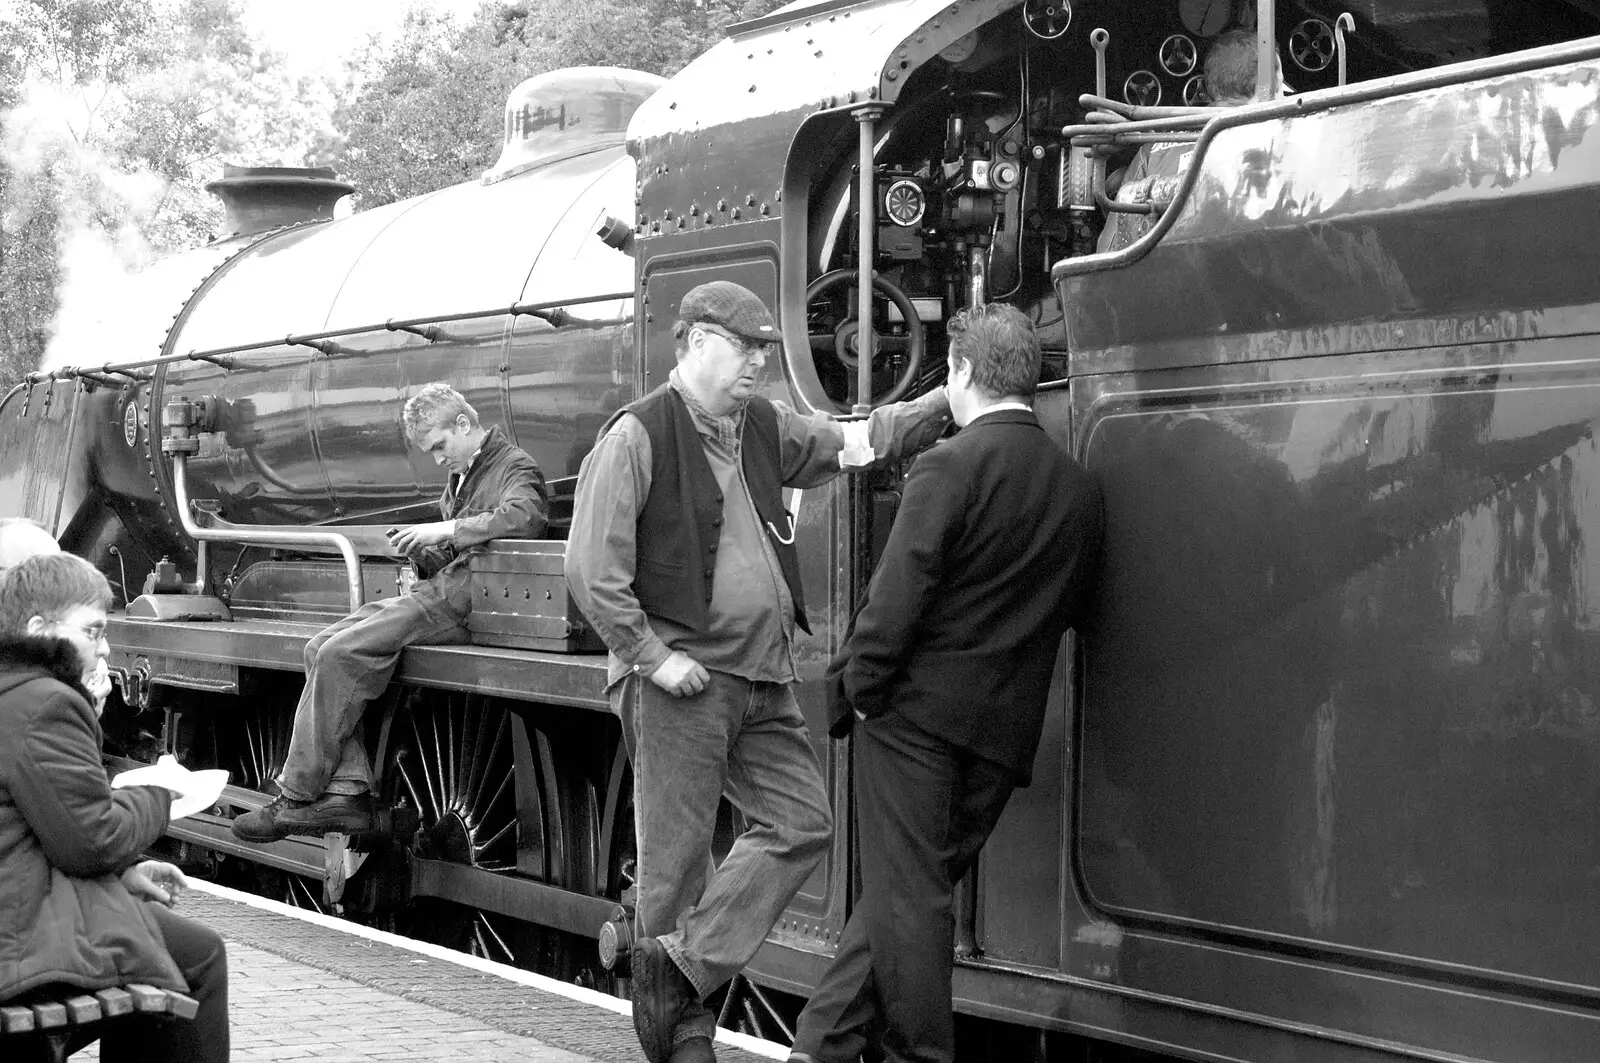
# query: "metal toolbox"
[[520, 599]]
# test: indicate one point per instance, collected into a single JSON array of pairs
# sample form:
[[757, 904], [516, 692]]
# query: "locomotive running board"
[[302, 856], [576, 680]]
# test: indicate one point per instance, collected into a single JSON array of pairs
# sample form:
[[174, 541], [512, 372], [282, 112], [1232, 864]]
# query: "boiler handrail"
[[263, 535], [217, 354]]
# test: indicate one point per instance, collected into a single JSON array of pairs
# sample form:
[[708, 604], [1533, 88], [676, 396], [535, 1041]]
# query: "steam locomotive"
[[1320, 783]]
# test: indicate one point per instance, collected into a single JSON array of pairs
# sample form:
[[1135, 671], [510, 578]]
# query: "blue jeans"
[[347, 665], [747, 741]]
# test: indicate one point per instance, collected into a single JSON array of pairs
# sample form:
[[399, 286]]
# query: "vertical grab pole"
[[866, 237], [1098, 40], [1345, 23], [1266, 50]]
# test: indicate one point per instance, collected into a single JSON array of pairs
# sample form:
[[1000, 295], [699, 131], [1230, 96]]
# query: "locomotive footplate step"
[[310, 986]]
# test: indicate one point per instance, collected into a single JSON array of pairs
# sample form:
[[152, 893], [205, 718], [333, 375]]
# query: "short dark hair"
[[49, 586], [1230, 69], [998, 341]]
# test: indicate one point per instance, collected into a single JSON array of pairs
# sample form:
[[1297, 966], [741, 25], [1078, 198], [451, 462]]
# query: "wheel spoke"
[[505, 831], [427, 776], [504, 788]]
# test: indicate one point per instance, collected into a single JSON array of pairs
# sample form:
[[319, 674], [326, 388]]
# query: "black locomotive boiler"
[[1319, 784]]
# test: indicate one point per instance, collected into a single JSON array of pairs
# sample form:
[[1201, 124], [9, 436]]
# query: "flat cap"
[[732, 306]]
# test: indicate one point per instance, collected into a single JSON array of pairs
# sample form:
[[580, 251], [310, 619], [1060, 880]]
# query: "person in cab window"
[[1153, 174]]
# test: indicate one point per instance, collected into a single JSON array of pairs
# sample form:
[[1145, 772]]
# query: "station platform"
[[306, 986]]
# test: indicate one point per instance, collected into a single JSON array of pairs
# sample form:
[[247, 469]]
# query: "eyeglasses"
[[93, 632], [748, 348]]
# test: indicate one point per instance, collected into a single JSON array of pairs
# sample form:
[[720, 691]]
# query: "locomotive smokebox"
[[259, 198]]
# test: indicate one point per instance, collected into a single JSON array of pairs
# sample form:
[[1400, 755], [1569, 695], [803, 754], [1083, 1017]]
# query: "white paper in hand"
[[196, 790]]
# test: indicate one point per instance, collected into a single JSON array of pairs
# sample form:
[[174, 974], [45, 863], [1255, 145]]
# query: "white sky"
[[316, 33]]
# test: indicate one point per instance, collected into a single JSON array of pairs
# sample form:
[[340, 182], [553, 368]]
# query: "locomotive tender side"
[[1319, 784]]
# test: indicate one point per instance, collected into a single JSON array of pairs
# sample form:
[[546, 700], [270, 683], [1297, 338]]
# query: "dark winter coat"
[[66, 836]]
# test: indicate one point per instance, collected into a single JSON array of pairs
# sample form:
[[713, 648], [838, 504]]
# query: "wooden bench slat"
[[82, 1009], [148, 997], [15, 1019], [114, 1002], [182, 1005], [49, 1015]]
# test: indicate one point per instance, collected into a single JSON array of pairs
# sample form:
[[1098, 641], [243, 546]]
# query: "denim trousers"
[[203, 960], [348, 664], [740, 739], [924, 808]]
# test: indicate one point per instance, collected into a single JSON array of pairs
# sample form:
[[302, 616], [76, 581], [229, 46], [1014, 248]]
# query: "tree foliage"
[[428, 112], [115, 115]]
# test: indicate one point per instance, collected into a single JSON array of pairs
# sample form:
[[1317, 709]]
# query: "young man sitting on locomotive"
[[1153, 174], [495, 491], [682, 556]]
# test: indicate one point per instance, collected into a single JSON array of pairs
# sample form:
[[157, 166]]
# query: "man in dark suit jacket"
[[945, 679]]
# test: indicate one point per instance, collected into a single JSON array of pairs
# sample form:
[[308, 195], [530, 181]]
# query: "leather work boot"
[[694, 1050], [660, 995], [331, 814], [266, 824]]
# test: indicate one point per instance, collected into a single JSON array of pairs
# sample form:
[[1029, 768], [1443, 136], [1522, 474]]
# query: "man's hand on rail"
[[420, 536]]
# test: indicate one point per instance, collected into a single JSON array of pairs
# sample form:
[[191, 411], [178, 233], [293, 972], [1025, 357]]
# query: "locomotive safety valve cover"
[[520, 599]]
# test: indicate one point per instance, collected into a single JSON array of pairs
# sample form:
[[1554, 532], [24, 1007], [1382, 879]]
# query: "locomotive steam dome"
[[566, 113]]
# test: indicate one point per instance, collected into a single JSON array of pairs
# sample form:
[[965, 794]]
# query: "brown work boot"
[[694, 1050], [661, 994], [331, 814], [266, 824]]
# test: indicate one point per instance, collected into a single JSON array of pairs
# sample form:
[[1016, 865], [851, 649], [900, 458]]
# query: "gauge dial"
[[904, 203], [1205, 18]]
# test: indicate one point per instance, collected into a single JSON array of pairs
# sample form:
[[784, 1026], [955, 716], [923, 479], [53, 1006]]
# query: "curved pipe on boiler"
[[258, 535]]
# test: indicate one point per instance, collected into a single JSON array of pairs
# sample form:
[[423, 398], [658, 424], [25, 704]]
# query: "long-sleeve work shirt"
[[750, 626], [502, 496]]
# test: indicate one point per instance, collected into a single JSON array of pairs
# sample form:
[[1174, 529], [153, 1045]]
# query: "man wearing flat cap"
[[682, 556]]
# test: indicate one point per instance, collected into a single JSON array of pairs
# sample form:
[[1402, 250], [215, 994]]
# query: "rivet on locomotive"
[[1321, 782]]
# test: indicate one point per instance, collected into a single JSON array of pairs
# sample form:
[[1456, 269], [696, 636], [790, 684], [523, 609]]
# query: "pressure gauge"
[[904, 204], [960, 49], [1205, 18]]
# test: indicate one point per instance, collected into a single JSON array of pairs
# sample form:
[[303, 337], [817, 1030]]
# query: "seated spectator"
[[74, 896]]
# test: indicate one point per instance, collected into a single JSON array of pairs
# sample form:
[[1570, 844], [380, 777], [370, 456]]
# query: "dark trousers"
[[199, 953], [923, 810], [347, 665]]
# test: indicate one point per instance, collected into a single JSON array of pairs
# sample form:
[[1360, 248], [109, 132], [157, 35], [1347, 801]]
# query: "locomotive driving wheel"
[[449, 765]]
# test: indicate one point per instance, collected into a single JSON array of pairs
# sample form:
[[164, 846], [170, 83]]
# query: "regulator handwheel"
[[844, 345]]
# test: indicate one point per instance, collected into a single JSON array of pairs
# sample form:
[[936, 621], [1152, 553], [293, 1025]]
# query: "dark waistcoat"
[[681, 521]]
